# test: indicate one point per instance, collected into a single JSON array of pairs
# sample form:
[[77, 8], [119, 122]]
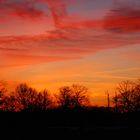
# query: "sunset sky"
[[52, 43]]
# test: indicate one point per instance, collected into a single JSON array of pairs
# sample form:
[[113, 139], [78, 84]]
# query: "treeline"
[[27, 99]]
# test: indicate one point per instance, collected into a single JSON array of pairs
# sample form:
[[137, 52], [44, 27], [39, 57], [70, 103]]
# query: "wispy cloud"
[[123, 18], [72, 37], [23, 9]]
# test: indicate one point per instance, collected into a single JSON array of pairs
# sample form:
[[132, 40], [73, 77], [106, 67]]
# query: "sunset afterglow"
[[52, 43]]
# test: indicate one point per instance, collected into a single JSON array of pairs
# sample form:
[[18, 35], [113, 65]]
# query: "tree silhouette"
[[79, 94], [43, 101], [127, 96], [65, 97], [74, 96], [136, 97], [9, 103], [26, 97], [3, 90]]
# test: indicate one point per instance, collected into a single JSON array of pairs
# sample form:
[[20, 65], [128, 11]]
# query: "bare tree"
[[26, 97], [80, 97], [116, 102], [3, 89], [73, 96], [43, 101], [127, 96], [10, 104], [30, 100], [136, 96], [65, 97]]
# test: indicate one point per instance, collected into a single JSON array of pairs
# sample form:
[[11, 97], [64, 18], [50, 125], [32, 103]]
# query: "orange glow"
[[49, 44]]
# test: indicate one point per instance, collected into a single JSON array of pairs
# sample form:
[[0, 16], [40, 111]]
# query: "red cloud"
[[24, 9], [58, 46], [18, 60], [29, 9], [123, 19], [30, 12], [58, 10], [70, 40]]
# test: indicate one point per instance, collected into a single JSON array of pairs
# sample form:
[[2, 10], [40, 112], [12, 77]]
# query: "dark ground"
[[60, 124]]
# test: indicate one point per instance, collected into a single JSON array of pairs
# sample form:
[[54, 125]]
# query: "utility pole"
[[108, 100], [116, 102]]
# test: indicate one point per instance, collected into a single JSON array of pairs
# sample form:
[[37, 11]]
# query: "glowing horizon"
[[52, 43]]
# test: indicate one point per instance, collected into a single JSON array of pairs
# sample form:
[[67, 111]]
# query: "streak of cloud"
[[123, 18], [64, 41]]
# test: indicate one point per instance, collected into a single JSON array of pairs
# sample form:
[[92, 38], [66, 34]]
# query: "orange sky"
[[49, 44]]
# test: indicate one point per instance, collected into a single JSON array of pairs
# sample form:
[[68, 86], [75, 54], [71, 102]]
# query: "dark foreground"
[[60, 124]]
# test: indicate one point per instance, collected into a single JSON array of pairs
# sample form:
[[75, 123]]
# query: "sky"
[[54, 43]]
